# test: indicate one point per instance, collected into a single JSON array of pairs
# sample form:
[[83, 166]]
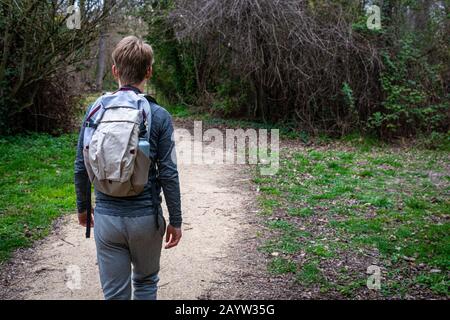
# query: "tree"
[[39, 54], [102, 43]]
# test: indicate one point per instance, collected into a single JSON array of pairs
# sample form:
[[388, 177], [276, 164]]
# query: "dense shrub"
[[415, 99], [312, 65]]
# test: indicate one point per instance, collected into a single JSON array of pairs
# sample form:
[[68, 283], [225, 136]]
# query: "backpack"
[[116, 143]]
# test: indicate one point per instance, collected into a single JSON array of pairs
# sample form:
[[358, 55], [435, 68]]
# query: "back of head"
[[132, 58]]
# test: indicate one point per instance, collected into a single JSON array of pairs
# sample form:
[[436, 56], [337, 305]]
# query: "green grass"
[[178, 111], [310, 274], [36, 186], [358, 198], [268, 205], [300, 212], [281, 266]]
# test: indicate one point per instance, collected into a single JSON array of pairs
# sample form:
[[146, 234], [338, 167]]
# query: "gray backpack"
[[116, 143]]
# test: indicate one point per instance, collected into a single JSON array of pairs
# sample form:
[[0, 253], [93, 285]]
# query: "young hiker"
[[126, 149]]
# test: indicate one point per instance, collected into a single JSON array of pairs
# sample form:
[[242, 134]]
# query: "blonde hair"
[[132, 57]]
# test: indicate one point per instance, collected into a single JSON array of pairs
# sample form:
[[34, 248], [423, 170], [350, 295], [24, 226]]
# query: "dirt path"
[[215, 199]]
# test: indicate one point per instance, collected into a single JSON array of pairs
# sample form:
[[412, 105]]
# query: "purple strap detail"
[[92, 113]]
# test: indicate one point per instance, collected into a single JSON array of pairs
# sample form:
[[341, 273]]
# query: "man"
[[129, 230]]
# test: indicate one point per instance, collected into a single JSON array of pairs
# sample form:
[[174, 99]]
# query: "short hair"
[[132, 58]]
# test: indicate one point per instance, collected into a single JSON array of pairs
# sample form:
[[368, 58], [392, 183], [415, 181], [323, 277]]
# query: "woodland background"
[[309, 66]]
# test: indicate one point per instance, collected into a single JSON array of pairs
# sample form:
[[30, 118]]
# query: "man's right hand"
[[173, 236], [82, 218]]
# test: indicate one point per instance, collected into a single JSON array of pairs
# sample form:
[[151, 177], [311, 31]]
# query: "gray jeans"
[[125, 242]]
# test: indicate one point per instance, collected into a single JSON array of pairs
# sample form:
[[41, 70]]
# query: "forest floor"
[[338, 211]]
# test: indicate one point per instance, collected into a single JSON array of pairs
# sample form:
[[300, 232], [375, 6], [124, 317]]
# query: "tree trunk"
[[423, 15], [102, 45], [101, 60]]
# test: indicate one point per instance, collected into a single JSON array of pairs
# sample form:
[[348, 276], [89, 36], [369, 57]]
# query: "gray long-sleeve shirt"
[[165, 173]]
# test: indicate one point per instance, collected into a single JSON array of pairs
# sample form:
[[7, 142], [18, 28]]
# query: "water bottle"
[[144, 146]]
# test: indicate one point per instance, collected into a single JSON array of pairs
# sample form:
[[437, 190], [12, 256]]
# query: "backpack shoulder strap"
[[155, 197], [146, 111], [150, 98], [92, 114], [145, 105]]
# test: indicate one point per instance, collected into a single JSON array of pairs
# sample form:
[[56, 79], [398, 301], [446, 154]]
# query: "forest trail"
[[215, 199]]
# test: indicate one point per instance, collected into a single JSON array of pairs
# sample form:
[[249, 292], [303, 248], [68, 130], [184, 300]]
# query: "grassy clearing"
[[334, 210], [36, 186]]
